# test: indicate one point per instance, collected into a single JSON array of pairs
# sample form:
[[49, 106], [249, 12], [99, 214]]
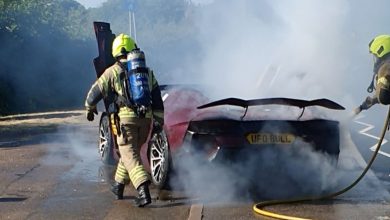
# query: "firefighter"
[[380, 48], [132, 128]]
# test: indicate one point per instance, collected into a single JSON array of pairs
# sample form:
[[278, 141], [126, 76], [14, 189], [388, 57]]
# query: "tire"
[[106, 143], [159, 160]]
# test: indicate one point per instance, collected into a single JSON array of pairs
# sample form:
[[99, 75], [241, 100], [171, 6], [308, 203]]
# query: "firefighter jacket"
[[382, 90], [110, 87]]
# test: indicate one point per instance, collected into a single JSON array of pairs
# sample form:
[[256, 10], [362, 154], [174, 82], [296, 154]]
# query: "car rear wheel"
[[159, 159], [106, 144]]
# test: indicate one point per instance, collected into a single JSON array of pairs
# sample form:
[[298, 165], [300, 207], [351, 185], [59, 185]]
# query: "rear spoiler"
[[326, 103]]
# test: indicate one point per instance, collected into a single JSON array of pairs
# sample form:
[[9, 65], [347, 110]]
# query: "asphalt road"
[[365, 132], [50, 170]]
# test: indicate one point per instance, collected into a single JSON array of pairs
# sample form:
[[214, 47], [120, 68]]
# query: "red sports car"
[[219, 130]]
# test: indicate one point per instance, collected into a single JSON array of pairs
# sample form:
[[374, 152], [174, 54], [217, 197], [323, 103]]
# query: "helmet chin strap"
[[371, 87]]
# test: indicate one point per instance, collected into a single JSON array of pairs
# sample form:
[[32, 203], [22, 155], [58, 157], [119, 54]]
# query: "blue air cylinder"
[[138, 78], [136, 59]]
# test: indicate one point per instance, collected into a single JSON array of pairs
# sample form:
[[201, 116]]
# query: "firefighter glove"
[[157, 128], [357, 110], [90, 113], [368, 102]]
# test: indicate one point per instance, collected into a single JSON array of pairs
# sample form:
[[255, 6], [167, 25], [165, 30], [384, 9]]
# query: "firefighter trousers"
[[134, 133]]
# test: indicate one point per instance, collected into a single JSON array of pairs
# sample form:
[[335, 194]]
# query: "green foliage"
[[42, 55], [47, 46], [6, 102], [27, 18], [163, 27]]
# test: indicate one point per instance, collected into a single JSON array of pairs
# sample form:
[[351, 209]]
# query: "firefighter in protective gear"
[[380, 48], [132, 131]]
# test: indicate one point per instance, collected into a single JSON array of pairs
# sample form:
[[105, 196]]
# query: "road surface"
[[50, 169]]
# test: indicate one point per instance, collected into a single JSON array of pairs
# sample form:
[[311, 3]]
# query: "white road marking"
[[364, 132], [196, 212], [165, 97]]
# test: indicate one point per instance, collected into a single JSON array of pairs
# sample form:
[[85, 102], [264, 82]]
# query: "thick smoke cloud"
[[301, 49], [91, 3], [297, 49], [267, 173]]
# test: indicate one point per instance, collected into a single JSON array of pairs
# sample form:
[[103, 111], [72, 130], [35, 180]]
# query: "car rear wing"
[[326, 103]]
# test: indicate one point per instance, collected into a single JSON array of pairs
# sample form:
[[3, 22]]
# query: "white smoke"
[[302, 49], [72, 146], [272, 172], [297, 49]]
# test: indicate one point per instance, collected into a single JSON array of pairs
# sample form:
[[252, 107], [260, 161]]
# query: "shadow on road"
[[12, 199]]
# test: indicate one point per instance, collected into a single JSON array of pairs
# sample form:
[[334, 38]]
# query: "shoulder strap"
[[123, 100]]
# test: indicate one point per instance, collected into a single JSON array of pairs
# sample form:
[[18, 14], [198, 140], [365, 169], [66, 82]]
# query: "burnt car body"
[[217, 130]]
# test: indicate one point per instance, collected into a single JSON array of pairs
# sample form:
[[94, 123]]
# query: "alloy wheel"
[[159, 158]]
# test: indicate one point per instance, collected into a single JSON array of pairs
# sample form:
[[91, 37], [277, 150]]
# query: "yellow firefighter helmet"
[[380, 45], [122, 45]]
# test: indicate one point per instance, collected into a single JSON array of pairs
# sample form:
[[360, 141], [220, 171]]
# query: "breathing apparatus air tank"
[[138, 78]]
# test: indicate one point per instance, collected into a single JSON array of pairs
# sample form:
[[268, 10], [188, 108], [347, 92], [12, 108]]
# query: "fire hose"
[[258, 208]]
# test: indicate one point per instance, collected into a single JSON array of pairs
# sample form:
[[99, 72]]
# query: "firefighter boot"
[[143, 195], [117, 189]]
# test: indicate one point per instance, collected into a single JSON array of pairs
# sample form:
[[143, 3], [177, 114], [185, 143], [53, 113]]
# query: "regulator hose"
[[258, 208]]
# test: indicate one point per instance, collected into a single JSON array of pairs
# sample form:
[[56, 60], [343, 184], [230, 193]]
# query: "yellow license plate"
[[270, 138]]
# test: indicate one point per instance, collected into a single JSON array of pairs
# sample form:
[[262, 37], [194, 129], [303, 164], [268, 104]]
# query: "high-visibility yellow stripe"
[[137, 173], [103, 84], [121, 173], [122, 169], [126, 112], [136, 170]]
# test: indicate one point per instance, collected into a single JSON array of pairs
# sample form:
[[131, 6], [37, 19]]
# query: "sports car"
[[217, 130]]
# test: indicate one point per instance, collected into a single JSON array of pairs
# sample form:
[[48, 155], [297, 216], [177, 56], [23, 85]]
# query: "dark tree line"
[[47, 46]]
